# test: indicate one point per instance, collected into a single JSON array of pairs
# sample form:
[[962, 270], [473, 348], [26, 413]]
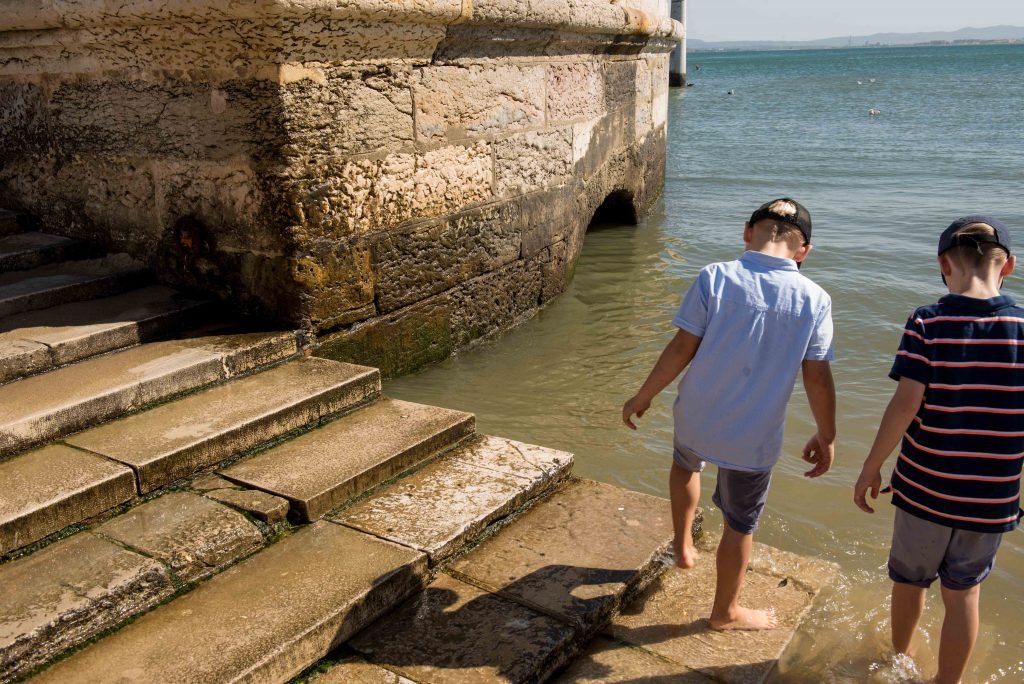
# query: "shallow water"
[[949, 141]]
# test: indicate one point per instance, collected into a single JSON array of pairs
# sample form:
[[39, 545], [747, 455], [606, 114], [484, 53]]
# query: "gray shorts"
[[740, 494], [923, 551]]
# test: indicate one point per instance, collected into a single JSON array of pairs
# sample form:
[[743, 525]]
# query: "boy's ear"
[[1007, 268], [802, 253], [945, 266], [748, 233]]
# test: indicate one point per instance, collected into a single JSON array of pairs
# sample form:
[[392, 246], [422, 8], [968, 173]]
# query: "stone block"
[[574, 91], [445, 505], [193, 536], [456, 102], [265, 619], [412, 265], [548, 217], [337, 277], [538, 559], [319, 470], [175, 440], [209, 482], [260, 505], [456, 633], [643, 116], [355, 670], [69, 592], [775, 579], [620, 83], [494, 302], [23, 251], [24, 119], [614, 662], [339, 197], [50, 488], [534, 160]]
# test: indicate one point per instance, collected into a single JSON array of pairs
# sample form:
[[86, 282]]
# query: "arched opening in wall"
[[617, 209]]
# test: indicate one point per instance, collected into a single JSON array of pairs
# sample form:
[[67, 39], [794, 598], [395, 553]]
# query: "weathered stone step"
[[175, 440], [321, 469], [446, 504], [65, 400], [69, 281], [78, 587], [37, 341], [12, 222], [265, 619], [23, 251], [519, 606], [641, 645]]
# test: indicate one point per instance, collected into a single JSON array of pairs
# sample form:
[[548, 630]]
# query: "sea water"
[[948, 141]]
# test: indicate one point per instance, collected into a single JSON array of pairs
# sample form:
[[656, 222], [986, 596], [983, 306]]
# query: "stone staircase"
[[185, 500]]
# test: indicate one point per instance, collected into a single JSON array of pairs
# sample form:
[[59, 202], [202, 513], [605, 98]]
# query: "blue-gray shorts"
[[740, 494], [923, 551]]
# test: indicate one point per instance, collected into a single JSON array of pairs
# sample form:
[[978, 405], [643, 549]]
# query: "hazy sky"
[[809, 19]]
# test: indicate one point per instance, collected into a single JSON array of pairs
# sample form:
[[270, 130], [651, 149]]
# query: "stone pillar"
[[677, 63]]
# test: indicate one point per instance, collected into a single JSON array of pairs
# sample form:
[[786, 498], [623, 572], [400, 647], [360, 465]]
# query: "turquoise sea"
[[949, 141]]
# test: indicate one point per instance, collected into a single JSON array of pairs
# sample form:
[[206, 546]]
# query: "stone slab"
[[69, 592], [190, 534], [319, 470], [174, 440], [65, 282], [355, 670], [607, 660], [9, 222], [455, 633], [48, 489], [62, 401], [25, 251], [448, 503], [262, 506], [263, 620], [576, 554], [72, 332], [670, 618]]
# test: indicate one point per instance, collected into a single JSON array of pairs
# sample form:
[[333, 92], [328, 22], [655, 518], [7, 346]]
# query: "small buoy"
[[873, 112], [871, 80], [860, 82], [732, 92]]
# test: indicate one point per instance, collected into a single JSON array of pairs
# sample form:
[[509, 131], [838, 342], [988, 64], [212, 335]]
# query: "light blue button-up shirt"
[[758, 318]]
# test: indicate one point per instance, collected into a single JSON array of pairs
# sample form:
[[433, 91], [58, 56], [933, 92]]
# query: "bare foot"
[[684, 554], [746, 618]]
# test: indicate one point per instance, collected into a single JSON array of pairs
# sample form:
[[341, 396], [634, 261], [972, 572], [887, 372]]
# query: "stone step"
[[321, 469], [265, 619], [76, 588], [65, 400], [175, 440], [69, 281], [640, 644], [37, 341], [13, 222], [522, 603], [23, 251], [446, 504]]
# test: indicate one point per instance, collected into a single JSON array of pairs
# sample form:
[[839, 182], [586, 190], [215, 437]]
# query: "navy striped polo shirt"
[[960, 462]]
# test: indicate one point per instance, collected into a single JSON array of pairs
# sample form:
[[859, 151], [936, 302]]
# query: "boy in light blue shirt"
[[745, 328]]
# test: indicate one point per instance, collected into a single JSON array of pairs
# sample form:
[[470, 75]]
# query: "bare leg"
[[684, 490], [733, 558], [959, 632], [907, 606]]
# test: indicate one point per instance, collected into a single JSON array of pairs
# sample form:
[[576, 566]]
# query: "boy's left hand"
[[820, 453]]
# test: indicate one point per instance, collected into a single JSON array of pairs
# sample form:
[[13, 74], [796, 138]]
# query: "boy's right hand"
[[869, 480], [635, 406]]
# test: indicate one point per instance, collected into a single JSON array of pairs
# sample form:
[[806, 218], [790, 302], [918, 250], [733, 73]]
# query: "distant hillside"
[[995, 33]]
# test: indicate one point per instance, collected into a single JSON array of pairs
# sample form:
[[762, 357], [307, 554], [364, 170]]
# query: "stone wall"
[[400, 176]]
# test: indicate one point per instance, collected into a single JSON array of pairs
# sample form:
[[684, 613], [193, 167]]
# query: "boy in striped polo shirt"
[[959, 407]]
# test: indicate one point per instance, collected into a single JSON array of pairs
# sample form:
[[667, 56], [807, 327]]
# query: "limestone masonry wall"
[[399, 176]]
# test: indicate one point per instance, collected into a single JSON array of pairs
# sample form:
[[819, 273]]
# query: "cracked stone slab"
[[48, 489], [614, 662], [670, 619], [446, 504], [262, 506], [355, 670], [320, 469], [455, 633], [577, 553], [265, 619], [174, 440], [191, 534], [67, 399], [69, 592], [25, 251]]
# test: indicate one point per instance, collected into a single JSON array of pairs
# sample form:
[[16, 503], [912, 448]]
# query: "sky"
[[811, 19]]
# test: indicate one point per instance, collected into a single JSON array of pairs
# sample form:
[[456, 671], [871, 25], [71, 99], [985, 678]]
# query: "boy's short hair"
[[975, 240], [785, 210]]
